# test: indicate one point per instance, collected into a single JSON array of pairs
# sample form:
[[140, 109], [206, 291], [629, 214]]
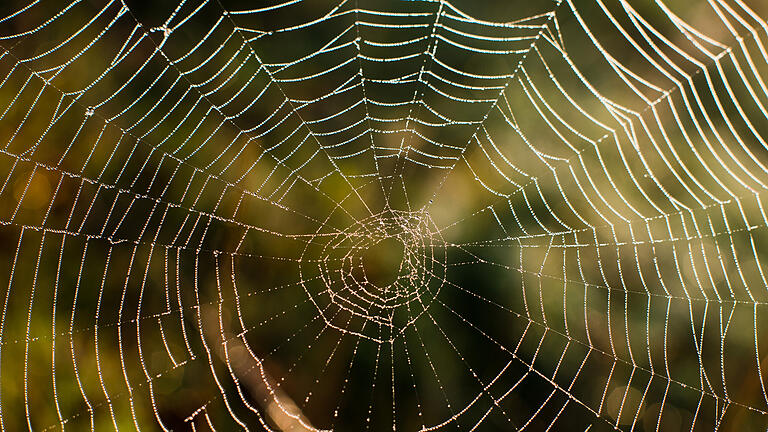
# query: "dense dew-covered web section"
[[373, 215]]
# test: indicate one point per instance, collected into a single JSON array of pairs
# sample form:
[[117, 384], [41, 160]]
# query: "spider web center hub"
[[379, 275]]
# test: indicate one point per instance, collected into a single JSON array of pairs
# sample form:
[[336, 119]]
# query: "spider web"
[[375, 215]]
